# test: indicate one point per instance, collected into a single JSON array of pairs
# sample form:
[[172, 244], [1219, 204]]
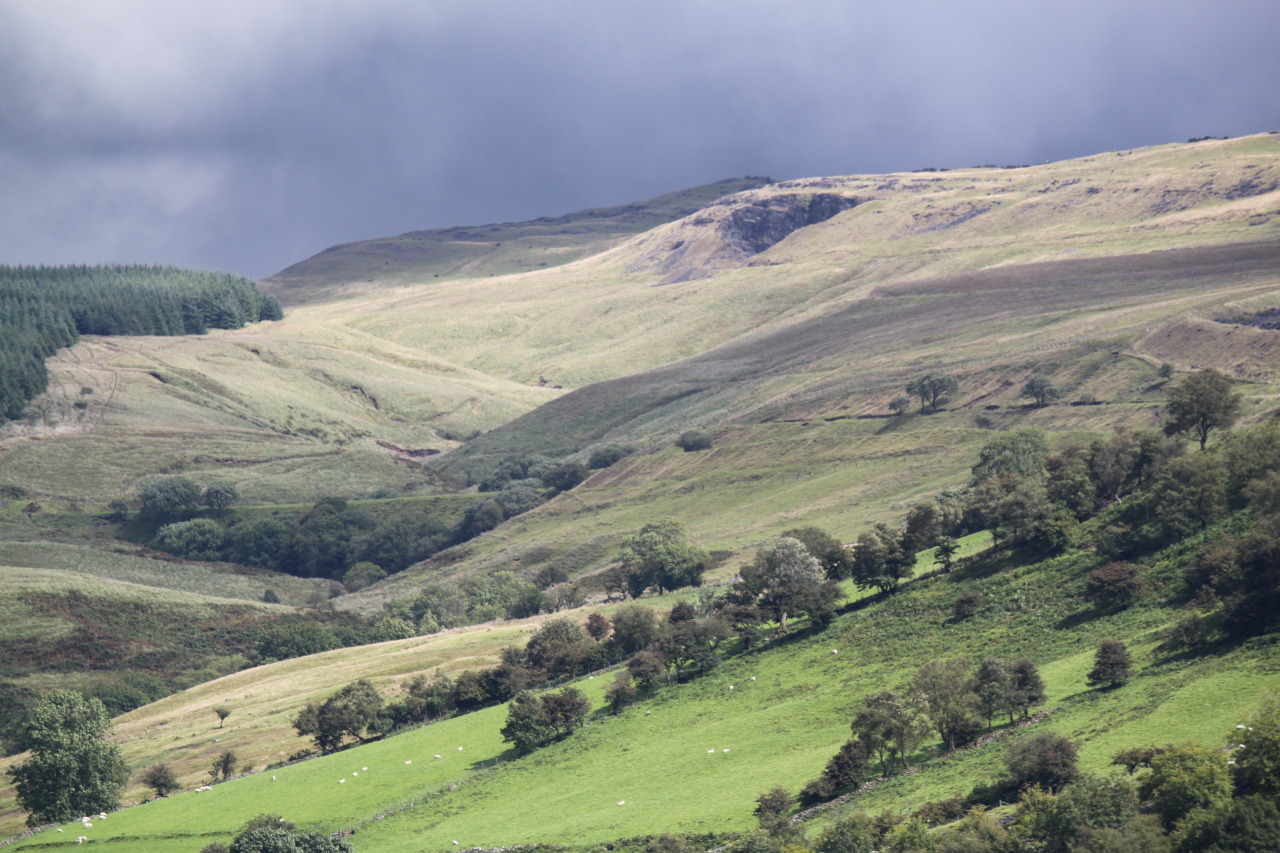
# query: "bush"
[[694, 440], [968, 604], [1045, 759], [609, 454], [198, 539], [1116, 584]]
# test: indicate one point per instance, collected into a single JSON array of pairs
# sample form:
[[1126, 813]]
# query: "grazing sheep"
[[622, 802], [437, 755], [408, 762], [709, 751]]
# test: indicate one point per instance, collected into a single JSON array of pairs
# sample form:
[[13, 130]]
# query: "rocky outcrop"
[[736, 229]]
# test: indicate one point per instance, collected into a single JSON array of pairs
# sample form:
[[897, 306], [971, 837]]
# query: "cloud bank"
[[248, 135]]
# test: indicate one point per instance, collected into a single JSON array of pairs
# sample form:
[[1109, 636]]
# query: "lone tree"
[[160, 778], [1045, 759], [1201, 404], [72, 770], [932, 388], [224, 767], [223, 712], [661, 556], [1111, 665], [350, 711], [1041, 389]]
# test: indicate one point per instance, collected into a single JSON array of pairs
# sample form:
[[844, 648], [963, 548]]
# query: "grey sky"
[[249, 134]]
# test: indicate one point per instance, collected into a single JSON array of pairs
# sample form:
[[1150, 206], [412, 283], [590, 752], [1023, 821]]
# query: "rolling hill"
[[781, 317]]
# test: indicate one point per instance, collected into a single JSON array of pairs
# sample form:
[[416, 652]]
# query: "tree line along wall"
[[45, 308]]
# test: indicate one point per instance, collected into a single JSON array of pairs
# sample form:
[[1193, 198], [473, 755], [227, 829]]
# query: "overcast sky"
[[248, 134]]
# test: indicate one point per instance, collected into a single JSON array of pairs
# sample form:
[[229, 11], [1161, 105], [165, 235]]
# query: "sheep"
[[82, 839], [709, 751], [835, 651], [753, 678], [340, 781], [459, 749], [724, 750], [437, 755], [622, 802], [364, 768], [408, 762]]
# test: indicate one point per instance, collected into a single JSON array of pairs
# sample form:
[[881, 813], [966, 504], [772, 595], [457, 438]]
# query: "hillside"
[[649, 770], [783, 319], [476, 251]]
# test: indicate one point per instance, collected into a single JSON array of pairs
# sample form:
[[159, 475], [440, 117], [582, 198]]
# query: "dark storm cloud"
[[249, 134]]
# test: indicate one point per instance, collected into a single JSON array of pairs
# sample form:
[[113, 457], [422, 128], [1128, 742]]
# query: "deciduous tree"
[[932, 389], [1201, 404], [72, 770], [1041, 389], [1111, 665]]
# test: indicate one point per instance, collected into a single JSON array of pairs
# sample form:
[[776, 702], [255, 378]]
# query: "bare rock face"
[[737, 228], [753, 228]]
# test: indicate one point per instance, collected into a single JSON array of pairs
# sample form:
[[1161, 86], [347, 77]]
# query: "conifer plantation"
[[43, 309]]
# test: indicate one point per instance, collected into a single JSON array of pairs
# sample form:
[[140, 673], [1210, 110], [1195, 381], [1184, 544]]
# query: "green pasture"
[[788, 711]]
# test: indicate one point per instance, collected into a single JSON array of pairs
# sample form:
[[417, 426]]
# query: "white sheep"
[[438, 755], [709, 751], [408, 762], [622, 802]]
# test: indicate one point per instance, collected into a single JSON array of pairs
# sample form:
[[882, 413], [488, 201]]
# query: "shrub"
[[160, 778], [609, 454], [198, 539], [694, 440], [1045, 759], [1115, 584], [968, 604]]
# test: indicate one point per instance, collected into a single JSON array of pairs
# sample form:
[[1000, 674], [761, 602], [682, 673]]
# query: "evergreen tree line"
[[43, 309]]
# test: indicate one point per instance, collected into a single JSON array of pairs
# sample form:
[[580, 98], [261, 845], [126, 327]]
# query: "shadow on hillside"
[[1080, 617], [986, 563]]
